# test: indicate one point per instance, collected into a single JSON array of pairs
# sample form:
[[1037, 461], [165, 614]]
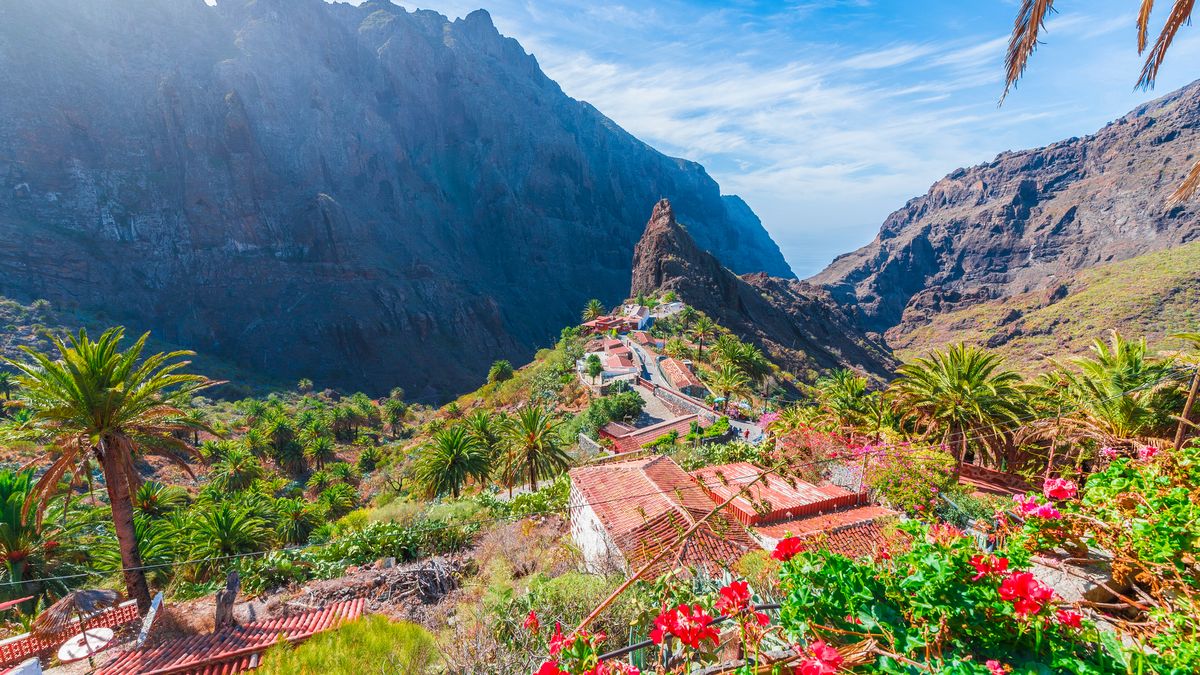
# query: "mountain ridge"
[[360, 195], [1027, 220]]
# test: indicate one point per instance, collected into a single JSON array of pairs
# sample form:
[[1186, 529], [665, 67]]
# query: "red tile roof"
[[231, 648], [644, 504], [771, 499], [615, 360], [679, 374], [637, 438], [850, 532]]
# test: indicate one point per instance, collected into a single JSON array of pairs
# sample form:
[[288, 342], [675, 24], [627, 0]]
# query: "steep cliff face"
[[794, 322], [1028, 221], [360, 195]]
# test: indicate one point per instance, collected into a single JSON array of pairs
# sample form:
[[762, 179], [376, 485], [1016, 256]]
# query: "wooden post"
[[1187, 410], [225, 599]]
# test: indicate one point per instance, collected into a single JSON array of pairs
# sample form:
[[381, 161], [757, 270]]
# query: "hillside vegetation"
[[1155, 294]]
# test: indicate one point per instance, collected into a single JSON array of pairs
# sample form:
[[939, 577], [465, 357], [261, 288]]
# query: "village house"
[[624, 512], [625, 438], [837, 519], [682, 377], [637, 317], [617, 361], [667, 309]]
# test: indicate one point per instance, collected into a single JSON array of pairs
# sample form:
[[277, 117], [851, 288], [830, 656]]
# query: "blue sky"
[[827, 115]]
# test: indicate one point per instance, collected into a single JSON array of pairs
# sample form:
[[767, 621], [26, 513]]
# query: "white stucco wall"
[[600, 555]]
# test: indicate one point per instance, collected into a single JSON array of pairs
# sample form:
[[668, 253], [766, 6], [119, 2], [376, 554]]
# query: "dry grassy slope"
[[1155, 294]]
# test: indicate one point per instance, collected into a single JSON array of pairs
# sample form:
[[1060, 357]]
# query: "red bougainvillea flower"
[[1069, 618], [550, 668], [1027, 594], [557, 641], [734, 598], [1060, 488], [988, 564], [689, 623], [531, 623], [996, 668], [821, 660], [1147, 452], [787, 549], [1108, 453]]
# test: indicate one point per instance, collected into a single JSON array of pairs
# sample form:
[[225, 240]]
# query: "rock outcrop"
[[357, 194], [1027, 221], [795, 323]]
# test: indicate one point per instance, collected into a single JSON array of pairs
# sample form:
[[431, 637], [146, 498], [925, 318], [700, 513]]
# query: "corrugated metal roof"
[[231, 650]]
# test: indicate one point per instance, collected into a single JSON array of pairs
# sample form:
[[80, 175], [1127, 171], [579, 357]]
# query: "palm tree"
[[486, 431], [1185, 417], [842, 398], [534, 446], [394, 412], [319, 450], [1118, 396], [223, 530], [236, 470], [593, 310], [449, 460], [957, 393], [1031, 18], [157, 500], [729, 381], [6, 384], [28, 543], [97, 400], [704, 329], [296, 520], [686, 316], [338, 500]]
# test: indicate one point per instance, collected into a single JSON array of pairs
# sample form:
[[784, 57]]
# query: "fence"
[[18, 648]]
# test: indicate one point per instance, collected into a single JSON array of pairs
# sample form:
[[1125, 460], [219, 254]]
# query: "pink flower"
[[1060, 488], [787, 549], [1069, 618], [1047, 512], [988, 564], [996, 668], [1147, 452], [1108, 453], [531, 622], [1029, 507]]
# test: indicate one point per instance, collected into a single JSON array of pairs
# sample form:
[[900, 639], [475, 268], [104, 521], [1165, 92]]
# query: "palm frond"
[[1031, 19], [1181, 14], [1187, 188]]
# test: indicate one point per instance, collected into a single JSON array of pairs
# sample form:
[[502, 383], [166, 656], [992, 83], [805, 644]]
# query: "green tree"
[[6, 384], [394, 412], [500, 371], [110, 404], [449, 460], [534, 445], [729, 381], [338, 500], [236, 470], [225, 529], [687, 316], [319, 450], [958, 393], [296, 519], [703, 329], [304, 386], [842, 400], [157, 500], [1120, 395], [593, 310], [594, 367], [28, 542]]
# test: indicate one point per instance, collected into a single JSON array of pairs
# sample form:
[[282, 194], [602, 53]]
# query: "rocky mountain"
[[1026, 224], [361, 195], [795, 323]]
